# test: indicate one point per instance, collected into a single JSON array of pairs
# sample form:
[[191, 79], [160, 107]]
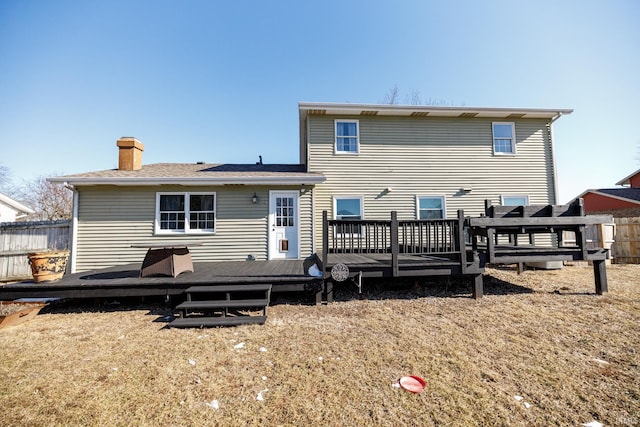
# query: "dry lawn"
[[572, 356]]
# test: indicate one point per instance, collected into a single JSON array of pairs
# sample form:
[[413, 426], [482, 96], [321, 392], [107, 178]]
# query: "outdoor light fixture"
[[254, 199]]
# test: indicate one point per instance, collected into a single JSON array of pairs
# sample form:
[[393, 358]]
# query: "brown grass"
[[543, 335]]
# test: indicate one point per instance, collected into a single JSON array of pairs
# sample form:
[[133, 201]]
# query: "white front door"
[[283, 225]]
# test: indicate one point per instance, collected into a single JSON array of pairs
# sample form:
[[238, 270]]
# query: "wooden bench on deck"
[[511, 222]]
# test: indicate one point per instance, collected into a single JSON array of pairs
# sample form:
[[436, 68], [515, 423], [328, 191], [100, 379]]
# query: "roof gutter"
[[136, 181]]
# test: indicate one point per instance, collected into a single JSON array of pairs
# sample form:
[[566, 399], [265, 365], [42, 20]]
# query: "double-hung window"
[[347, 136], [185, 213], [504, 138], [430, 207], [348, 208]]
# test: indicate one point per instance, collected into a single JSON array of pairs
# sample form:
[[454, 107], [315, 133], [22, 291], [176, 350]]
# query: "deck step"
[[203, 322], [228, 299], [227, 288], [240, 303]]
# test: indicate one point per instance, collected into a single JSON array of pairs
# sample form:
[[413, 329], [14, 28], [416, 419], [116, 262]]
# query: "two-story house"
[[356, 161]]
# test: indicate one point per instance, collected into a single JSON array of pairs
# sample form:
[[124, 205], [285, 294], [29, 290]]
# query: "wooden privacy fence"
[[627, 244], [17, 239]]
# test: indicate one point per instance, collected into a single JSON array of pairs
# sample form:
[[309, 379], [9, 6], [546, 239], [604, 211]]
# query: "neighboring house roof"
[[627, 180], [15, 205], [626, 194], [631, 194], [198, 174]]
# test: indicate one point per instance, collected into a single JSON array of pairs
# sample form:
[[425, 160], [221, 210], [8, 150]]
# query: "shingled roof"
[[198, 174], [632, 194]]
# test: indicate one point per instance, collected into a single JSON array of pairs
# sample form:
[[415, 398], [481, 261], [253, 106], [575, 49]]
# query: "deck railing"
[[394, 237]]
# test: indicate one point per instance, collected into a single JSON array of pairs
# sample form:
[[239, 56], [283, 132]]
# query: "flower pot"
[[48, 266]]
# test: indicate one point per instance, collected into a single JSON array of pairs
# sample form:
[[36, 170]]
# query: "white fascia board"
[[79, 181], [626, 179], [15, 204], [406, 110]]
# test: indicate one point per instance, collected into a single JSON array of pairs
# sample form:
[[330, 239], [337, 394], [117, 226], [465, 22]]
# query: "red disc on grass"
[[412, 383]]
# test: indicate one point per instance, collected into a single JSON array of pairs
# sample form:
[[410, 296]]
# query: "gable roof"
[[631, 195], [17, 206], [627, 180], [198, 174]]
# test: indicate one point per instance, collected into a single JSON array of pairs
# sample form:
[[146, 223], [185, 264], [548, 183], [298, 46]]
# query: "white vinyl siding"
[[401, 157], [112, 219]]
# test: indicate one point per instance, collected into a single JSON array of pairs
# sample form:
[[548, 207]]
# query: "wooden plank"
[[228, 288], [540, 221], [211, 304]]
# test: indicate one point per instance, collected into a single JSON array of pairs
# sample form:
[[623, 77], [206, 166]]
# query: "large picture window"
[[504, 138], [430, 207], [185, 213], [347, 136]]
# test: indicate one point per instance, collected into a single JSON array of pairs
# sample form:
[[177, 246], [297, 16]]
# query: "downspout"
[[74, 227], [553, 158]]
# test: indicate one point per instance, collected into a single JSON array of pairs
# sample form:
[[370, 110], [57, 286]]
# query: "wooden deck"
[[125, 281]]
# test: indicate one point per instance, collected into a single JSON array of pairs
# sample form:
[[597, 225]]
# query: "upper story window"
[[515, 200], [430, 207], [504, 138], [185, 213], [347, 136]]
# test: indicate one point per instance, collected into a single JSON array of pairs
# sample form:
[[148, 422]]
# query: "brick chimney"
[[130, 154]]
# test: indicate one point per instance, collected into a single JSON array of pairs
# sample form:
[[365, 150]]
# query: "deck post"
[[395, 246], [325, 242], [477, 289], [462, 245], [600, 274]]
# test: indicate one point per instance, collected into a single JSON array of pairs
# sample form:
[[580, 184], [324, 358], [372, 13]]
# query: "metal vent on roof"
[[317, 112], [368, 113], [515, 116], [419, 114], [467, 115]]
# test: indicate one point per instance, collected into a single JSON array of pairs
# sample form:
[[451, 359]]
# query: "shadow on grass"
[[403, 288], [419, 287]]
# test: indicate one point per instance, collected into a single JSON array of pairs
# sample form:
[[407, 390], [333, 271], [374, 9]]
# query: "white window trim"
[[513, 139], [335, 210], [524, 196], [436, 196], [335, 137], [187, 230]]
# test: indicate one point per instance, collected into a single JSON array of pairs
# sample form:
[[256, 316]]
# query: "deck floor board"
[[125, 280]]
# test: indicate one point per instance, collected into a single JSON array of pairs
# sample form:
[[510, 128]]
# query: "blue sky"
[[220, 81]]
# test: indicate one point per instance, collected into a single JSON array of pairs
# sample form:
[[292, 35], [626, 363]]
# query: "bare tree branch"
[[392, 96], [50, 201]]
